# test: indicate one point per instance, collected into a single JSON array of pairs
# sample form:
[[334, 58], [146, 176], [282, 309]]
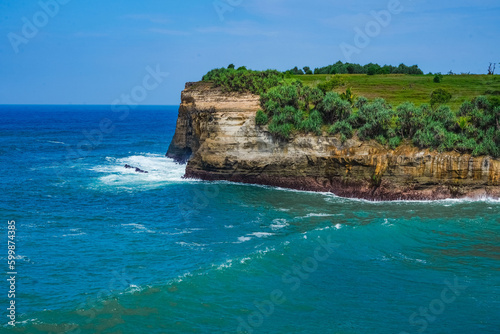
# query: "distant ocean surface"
[[103, 249]]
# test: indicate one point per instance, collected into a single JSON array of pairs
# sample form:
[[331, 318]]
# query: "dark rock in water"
[[138, 170]]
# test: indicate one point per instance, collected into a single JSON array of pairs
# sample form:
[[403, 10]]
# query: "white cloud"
[[241, 28], [169, 32]]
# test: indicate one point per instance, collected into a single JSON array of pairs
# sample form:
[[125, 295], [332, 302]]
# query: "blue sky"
[[94, 52]]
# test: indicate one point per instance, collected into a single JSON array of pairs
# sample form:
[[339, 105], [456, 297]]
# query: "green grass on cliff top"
[[399, 88]]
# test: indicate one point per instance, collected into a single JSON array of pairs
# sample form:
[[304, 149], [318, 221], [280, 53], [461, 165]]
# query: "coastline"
[[217, 136]]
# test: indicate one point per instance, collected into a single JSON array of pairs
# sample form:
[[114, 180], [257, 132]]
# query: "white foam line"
[[332, 195]]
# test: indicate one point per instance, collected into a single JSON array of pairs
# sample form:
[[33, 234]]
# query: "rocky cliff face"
[[216, 133]]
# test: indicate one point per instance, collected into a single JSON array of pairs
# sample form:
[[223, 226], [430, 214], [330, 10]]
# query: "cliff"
[[217, 135]]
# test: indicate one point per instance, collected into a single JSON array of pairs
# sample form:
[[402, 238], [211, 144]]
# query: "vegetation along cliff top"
[[392, 105]]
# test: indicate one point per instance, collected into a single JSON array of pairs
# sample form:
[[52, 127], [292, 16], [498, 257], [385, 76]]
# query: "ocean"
[[103, 249]]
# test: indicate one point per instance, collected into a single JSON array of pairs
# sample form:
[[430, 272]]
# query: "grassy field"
[[398, 88]]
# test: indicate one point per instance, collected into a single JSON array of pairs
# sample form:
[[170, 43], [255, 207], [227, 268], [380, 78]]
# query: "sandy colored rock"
[[216, 133]]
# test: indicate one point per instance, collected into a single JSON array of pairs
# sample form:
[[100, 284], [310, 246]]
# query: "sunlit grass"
[[399, 88]]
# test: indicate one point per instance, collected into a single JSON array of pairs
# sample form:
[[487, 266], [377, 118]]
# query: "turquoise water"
[[102, 249]]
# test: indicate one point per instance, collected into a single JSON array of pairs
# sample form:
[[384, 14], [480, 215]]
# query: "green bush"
[[360, 102], [261, 118], [312, 123], [348, 96], [481, 102], [440, 96], [432, 135], [332, 83], [438, 78], [410, 119], [466, 108], [333, 108], [243, 80], [444, 116], [494, 101], [394, 142], [279, 97], [374, 119], [282, 131], [342, 127], [309, 97]]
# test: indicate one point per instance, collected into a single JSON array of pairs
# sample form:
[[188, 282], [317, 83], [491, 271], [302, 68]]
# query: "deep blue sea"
[[103, 249]]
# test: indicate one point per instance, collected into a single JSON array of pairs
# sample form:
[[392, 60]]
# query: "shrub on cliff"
[[334, 108], [343, 128], [312, 123], [261, 118], [279, 97], [309, 98], [375, 119], [410, 119], [243, 80]]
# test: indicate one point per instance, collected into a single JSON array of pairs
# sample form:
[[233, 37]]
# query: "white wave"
[[249, 236], [309, 215], [261, 234], [190, 244], [56, 142], [74, 234], [245, 259], [138, 228], [407, 258], [27, 321], [227, 264], [242, 239], [265, 251], [181, 277], [387, 223], [134, 289], [329, 197], [228, 226], [160, 171], [278, 224], [401, 257]]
